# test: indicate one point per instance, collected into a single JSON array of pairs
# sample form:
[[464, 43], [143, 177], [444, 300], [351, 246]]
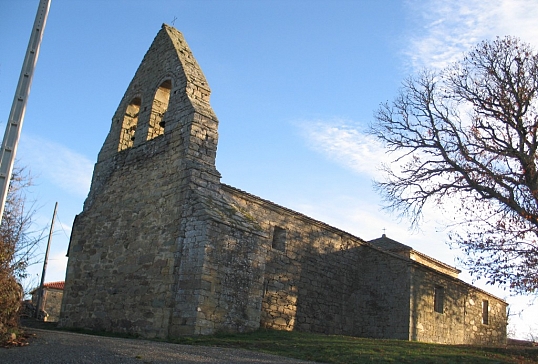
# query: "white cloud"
[[60, 165], [342, 142], [443, 30]]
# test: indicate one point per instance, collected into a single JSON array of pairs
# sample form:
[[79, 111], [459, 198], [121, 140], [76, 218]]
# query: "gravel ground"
[[64, 347]]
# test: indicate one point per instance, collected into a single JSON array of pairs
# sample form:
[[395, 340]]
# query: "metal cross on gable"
[[174, 20]]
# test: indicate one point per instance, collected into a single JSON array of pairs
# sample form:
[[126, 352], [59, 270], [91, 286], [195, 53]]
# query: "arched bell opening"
[[128, 127], [158, 109]]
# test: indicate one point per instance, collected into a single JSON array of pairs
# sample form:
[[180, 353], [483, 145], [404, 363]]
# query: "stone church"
[[162, 248]]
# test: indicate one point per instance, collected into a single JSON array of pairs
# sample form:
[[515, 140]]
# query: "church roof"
[[396, 247], [386, 243]]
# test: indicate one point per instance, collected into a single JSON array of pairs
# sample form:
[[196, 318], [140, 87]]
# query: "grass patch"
[[350, 350]]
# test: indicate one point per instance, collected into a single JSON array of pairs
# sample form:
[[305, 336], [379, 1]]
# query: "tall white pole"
[[40, 297], [16, 116]]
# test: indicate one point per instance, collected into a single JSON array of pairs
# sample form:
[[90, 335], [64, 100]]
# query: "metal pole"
[[40, 296], [16, 116]]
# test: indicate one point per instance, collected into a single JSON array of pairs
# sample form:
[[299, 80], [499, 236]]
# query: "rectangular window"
[[485, 312], [279, 239], [438, 299]]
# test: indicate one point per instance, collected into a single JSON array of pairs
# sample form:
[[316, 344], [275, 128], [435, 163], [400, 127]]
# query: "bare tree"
[[467, 137], [18, 244]]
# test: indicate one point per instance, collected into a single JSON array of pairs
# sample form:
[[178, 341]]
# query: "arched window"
[[128, 127], [159, 107]]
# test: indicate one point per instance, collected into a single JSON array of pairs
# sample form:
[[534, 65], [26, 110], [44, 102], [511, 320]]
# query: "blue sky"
[[294, 85]]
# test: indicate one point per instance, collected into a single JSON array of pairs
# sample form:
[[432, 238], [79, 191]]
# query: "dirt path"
[[65, 347]]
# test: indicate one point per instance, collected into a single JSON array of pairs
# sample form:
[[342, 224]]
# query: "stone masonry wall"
[[478, 332], [383, 304], [460, 321], [221, 285], [325, 280], [232, 278], [428, 325], [122, 250], [52, 302]]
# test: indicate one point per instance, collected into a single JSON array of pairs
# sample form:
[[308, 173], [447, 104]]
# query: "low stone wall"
[[53, 304]]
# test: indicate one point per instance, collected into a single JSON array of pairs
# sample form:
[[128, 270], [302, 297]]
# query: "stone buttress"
[[144, 255]]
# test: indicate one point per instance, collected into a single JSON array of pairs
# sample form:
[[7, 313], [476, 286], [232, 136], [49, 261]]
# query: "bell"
[[161, 124]]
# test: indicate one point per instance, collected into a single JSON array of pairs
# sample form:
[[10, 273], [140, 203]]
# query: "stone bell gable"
[[137, 251], [168, 97]]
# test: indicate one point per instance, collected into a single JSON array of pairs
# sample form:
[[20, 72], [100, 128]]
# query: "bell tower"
[[139, 236]]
